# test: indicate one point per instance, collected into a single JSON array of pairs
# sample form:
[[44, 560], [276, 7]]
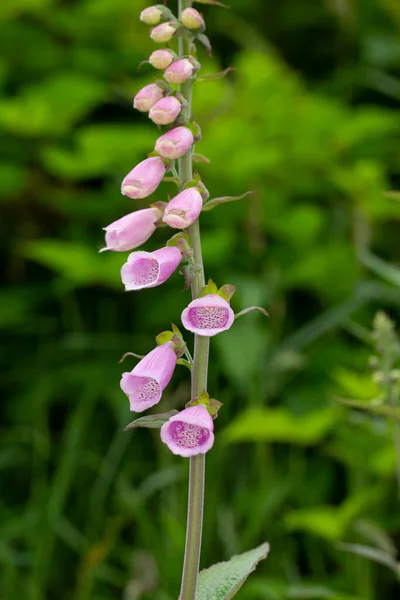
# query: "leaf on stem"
[[223, 580], [223, 200], [199, 158], [206, 43], [152, 421], [375, 554], [216, 76], [249, 309], [378, 410], [184, 362]]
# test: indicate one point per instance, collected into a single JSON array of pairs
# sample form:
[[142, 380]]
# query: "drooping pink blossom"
[[179, 71], [192, 19], [161, 59], [147, 97], [163, 33], [190, 432], [144, 179], [165, 111], [145, 384], [149, 269], [175, 143], [208, 315], [131, 231], [183, 209], [151, 15]]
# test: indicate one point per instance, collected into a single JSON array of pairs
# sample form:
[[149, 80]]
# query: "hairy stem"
[[199, 375]]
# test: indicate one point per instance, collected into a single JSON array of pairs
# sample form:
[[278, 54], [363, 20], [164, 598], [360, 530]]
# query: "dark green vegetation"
[[309, 121]]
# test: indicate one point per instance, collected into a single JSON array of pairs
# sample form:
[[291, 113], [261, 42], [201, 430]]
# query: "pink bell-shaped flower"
[[149, 269], [144, 178], [165, 111], [208, 315], [132, 230], [183, 209], [175, 143], [147, 97], [145, 384], [190, 432]]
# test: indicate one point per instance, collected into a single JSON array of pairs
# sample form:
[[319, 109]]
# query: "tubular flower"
[[190, 432], [147, 97], [131, 231], [149, 269], [208, 315], [183, 209], [179, 71], [165, 111], [144, 178], [161, 59], [192, 19], [145, 384], [163, 33], [175, 143]]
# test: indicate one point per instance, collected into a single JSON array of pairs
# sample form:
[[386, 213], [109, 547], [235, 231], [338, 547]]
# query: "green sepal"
[[181, 241], [226, 291], [216, 76], [210, 288], [184, 362], [200, 158], [164, 337], [176, 330], [189, 273], [152, 421], [211, 404], [210, 204]]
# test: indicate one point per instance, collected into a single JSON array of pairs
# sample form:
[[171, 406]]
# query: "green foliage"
[[306, 120]]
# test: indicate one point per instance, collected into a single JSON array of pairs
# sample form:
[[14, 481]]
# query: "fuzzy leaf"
[[224, 579], [223, 200], [152, 421], [216, 76]]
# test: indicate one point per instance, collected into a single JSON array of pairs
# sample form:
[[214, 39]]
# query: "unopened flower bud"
[[190, 432], [145, 384], [149, 269], [163, 33], [175, 143], [180, 71], [192, 19], [132, 230], [183, 209], [152, 15], [147, 97], [208, 315], [165, 111], [144, 178], [161, 59]]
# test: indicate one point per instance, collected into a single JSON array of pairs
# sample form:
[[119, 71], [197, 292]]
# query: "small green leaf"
[[223, 200], [152, 421], [163, 337], [176, 330], [199, 158], [184, 362], [216, 76], [206, 43], [210, 288], [224, 579], [226, 291]]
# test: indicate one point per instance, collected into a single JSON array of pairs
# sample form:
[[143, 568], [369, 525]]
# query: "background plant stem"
[[199, 376]]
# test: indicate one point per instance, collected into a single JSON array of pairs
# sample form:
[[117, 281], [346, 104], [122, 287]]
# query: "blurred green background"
[[310, 121]]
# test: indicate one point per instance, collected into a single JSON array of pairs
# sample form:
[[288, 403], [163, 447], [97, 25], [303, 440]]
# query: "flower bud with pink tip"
[[149, 269], [208, 315], [190, 432], [147, 97], [144, 178], [192, 19], [145, 384], [131, 231], [165, 111], [161, 59], [181, 70], [183, 209], [152, 15], [163, 33], [175, 143]]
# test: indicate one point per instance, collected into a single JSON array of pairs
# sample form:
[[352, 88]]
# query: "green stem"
[[199, 375]]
